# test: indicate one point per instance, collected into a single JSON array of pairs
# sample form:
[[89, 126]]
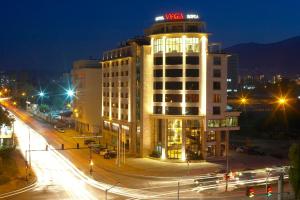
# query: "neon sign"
[[176, 16]]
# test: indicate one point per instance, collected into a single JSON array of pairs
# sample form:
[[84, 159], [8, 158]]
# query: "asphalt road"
[[65, 174]]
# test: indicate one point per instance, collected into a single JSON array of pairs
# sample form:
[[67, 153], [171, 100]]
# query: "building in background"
[[167, 93], [232, 76], [86, 78]]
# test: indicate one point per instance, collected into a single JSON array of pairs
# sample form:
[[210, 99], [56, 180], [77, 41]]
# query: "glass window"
[[157, 97], [211, 136], [158, 73], [216, 110], [172, 85], [192, 85], [173, 111], [217, 73], [192, 98], [174, 73], [158, 60], [192, 45], [192, 73], [216, 85], [173, 98], [158, 45], [157, 85], [192, 60], [217, 98], [217, 60], [191, 110], [173, 60], [157, 109], [174, 139], [173, 45]]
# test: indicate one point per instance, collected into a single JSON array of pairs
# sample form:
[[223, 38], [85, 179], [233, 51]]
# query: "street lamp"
[[41, 94], [282, 101], [106, 191], [70, 93], [244, 100]]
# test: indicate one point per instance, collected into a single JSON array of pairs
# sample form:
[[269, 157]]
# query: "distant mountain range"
[[280, 57]]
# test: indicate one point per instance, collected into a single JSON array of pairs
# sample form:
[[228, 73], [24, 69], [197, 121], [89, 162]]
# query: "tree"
[[4, 118], [294, 172]]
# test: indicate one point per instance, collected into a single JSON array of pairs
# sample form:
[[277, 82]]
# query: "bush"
[[155, 154]]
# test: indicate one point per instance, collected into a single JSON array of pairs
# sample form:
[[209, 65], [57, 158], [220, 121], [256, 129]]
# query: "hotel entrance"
[[174, 139]]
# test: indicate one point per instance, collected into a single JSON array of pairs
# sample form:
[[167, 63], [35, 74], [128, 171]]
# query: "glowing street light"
[[70, 93], [41, 94], [244, 100], [23, 94], [282, 101]]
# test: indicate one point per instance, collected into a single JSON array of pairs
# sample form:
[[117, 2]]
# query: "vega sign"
[[176, 16]]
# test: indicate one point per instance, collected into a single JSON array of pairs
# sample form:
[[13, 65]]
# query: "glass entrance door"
[[174, 139]]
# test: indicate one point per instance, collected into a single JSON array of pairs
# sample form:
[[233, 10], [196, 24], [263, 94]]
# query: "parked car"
[[254, 151], [103, 151], [89, 141], [110, 154], [59, 129]]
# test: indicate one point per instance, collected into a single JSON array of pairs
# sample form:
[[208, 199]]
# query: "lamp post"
[[106, 191], [268, 171]]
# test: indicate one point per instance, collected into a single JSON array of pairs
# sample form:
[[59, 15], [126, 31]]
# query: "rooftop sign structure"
[[176, 16]]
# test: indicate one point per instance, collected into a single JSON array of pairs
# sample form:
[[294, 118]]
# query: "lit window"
[[173, 45]]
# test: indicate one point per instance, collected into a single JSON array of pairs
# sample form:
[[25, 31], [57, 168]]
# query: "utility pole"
[[178, 191], [227, 161], [280, 187], [29, 150], [91, 161]]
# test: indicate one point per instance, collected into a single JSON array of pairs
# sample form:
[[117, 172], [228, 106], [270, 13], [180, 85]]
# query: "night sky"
[[51, 34]]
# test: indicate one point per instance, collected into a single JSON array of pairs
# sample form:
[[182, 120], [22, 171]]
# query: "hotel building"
[[167, 92]]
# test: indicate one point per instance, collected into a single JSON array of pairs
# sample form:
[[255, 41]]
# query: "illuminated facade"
[[86, 104], [167, 93]]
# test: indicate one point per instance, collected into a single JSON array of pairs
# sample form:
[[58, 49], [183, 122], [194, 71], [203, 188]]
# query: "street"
[[65, 174]]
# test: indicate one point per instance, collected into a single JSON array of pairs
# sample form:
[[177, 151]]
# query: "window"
[[157, 109], [173, 111], [191, 98], [217, 60], [157, 97], [126, 73], [216, 110], [192, 60], [158, 60], [191, 110], [174, 60], [192, 73], [192, 45], [174, 73], [157, 85], [217, 98], [217, 73], [173, 98], [126, 62], [192, 85], [172, 85], [216, 85], [157, 73], [173, 45], [158, 45], [223, 136], [117, 74]]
